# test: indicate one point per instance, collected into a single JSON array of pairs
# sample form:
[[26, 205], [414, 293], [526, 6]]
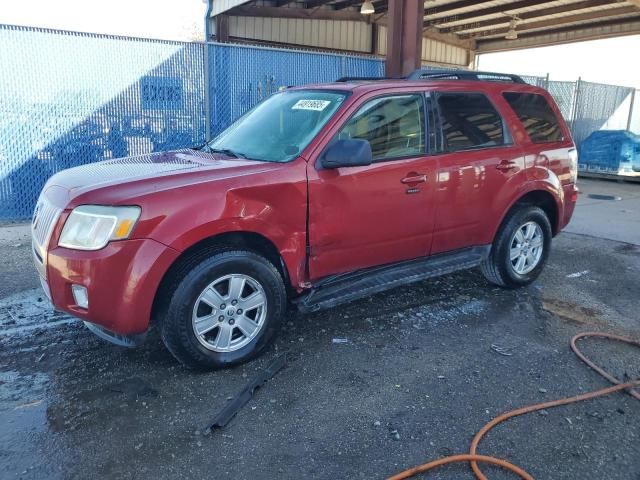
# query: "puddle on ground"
[[23, 419], [628, 249], [22, 313], [571, 312]]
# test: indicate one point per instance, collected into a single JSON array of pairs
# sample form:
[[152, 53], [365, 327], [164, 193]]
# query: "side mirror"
[[347, 153]]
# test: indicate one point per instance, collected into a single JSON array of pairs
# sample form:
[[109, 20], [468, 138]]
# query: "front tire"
[[520, 249], [224, 311]]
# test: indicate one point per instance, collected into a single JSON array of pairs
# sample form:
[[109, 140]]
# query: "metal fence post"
[[630, 118], [207, 73], [546, 82], [207, 96], [575, 105]]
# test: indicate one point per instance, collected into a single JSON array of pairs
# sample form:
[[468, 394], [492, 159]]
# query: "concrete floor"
[[418, 375], [617, 219]]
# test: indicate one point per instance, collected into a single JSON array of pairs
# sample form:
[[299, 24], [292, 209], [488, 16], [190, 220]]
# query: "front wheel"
[[225, 311], [520, 249]]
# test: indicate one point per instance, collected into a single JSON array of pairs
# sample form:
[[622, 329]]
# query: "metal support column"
[[404, 37]]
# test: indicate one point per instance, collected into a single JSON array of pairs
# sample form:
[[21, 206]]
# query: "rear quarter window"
[[469, 121], [536, 115]]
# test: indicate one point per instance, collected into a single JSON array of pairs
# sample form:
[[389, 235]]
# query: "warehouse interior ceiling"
[[478, 26]]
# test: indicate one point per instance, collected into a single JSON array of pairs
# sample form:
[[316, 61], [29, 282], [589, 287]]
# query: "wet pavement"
[[414, 374]]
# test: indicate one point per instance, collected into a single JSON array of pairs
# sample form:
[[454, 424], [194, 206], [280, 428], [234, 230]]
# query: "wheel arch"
[[541, 198], [190, 257]]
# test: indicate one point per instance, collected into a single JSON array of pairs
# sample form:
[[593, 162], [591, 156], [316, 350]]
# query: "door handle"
[[504, 166], [414, 178]]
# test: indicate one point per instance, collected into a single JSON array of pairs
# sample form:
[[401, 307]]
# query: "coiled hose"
[[473, 457]]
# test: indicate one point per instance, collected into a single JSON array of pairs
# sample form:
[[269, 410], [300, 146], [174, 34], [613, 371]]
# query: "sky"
[[163, 19], [613, 61]]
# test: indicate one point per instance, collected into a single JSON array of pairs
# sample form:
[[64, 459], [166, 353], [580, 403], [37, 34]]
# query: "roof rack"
[[361, 79], [423, 74], [464, 75]]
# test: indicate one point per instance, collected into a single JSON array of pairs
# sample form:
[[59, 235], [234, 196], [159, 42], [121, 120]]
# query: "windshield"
[[279, 128]]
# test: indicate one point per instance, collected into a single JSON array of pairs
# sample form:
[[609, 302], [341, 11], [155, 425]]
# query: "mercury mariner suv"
[[319, 195]]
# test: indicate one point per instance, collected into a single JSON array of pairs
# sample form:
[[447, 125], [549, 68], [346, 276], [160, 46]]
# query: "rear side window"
[[393, 126], [469, 120], [536, 115]]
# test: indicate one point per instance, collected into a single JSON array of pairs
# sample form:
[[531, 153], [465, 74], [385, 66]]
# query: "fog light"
[[80, 296]]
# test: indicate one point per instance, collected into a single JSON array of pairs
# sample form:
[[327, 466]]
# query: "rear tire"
[[520, 248], [204, 324]]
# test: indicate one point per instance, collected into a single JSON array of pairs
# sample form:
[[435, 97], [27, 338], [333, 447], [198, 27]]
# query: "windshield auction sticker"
[[315, 105]]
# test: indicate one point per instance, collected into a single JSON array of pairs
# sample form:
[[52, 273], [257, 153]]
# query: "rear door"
[[382, 213], [480, 167]]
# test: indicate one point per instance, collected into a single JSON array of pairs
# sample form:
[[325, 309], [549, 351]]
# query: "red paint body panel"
[[121, 280], [358, 217]]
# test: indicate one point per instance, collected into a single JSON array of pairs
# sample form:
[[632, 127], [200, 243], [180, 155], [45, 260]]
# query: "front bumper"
[[121, 281]]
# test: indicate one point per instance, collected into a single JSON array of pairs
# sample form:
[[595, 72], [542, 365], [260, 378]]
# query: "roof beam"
[[485, 11], [556, 22], [318, 14], [567, 34], [433, 34], [351, 3], [447, 7], [315, 3], [449, 38], [531, 15]]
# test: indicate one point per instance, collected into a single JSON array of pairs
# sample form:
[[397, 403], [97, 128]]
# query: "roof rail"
[[422, 74], [361, 79]]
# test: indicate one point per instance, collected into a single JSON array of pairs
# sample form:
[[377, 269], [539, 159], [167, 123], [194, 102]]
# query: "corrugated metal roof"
[[457, 23]]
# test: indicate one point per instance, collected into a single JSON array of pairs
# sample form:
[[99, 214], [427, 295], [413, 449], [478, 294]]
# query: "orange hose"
[[473, 458]]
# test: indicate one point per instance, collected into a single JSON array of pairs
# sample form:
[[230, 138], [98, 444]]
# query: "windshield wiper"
[[227, 151], [204, 147]]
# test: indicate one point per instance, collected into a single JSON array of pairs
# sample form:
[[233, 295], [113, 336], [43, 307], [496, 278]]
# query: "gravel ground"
[[418, 371]]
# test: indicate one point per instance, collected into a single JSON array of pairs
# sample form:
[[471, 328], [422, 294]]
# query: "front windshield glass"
[[279, 128]]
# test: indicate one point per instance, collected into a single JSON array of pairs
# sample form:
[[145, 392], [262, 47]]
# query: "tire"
[[202, 300], [498, 268]]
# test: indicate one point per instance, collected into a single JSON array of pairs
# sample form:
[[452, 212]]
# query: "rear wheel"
[[520, 249], [224, 311]]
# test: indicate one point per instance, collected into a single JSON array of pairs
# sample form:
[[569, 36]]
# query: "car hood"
[[154, 171]]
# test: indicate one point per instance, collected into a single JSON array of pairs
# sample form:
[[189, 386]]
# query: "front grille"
[[44, 220]]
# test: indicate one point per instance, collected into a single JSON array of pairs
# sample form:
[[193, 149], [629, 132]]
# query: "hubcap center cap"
[[231, 312]]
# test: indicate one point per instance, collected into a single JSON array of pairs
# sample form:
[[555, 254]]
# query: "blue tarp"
[[611, 151]]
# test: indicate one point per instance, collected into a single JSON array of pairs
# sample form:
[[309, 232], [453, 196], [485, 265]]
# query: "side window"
[[469, 120], [394, 126], [536, 115]]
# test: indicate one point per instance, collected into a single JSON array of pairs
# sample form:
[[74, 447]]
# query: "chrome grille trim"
[[42, 225], [44, 220]]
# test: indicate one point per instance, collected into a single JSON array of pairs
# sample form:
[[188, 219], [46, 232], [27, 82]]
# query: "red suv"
[[319, 195]]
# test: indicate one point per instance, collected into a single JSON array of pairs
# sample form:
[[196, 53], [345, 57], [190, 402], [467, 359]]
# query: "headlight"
[[91, 227]]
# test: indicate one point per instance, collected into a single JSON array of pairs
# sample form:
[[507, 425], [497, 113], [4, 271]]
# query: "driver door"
[[382, 213]]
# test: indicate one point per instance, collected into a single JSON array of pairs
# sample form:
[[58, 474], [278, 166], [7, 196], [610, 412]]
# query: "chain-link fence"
[[67, 99], [594, 105], [243, 75]]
